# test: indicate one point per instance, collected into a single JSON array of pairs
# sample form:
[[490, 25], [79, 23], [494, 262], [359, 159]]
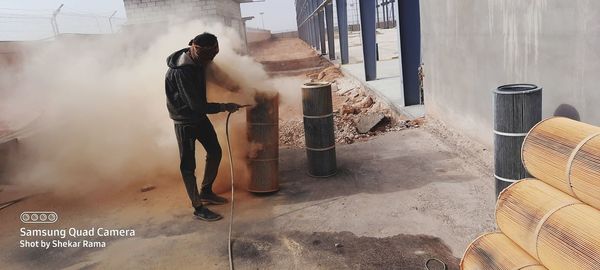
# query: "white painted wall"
[[472, 46]]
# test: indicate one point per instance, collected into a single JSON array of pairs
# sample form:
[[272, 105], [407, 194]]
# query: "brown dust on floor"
[[344, 250]]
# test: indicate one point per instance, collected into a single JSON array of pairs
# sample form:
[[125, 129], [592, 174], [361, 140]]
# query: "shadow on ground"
[[385, 165]]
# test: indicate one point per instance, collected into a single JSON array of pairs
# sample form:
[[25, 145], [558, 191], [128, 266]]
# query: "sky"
[[279, 15], [30, 19]]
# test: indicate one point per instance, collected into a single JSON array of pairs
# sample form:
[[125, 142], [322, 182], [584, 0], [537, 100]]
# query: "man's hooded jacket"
[[185, 87]]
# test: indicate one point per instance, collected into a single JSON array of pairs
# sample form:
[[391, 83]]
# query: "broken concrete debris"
[[349, 109], [352, 104], [368, 122], [329, 74], [367, 102]]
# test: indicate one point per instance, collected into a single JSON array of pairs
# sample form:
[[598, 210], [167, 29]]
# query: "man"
[[185, 87]]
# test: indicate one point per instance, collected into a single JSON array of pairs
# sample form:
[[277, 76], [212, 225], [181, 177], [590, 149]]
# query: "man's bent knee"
[[214, 154]]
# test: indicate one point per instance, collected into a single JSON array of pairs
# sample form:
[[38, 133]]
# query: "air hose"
[[232, 188]]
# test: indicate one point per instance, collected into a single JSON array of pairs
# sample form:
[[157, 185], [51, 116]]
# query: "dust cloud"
[[100, 109]]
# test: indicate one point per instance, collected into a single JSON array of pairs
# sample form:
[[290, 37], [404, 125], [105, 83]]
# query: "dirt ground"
[[281, 49], [402, 195]]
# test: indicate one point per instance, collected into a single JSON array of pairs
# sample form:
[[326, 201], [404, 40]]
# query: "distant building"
[[154, 11]]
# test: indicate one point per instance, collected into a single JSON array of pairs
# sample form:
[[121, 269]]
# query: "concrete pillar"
[[330, 32], [367, 26], [409, 23], [321, 18], [342, 16]]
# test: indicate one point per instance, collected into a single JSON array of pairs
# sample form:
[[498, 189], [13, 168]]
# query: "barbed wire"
[[20, 24]]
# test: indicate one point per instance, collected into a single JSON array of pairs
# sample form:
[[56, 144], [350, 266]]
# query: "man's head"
[[204, 47]]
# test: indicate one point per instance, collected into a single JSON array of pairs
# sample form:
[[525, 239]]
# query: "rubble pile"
[[358, 115], [329, 74], [362, 116]]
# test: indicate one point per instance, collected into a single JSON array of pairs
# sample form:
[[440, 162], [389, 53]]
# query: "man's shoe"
[[204, 213], [212, 198]]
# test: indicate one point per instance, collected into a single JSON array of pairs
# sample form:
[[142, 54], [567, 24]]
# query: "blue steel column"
[[385, 15], [342, 16], [321, 18], [300, 4], [330, 34], [409, 23], [311, 24], [394, 22], [315, 21], [367, 26], [311, 29], [298, 20], [304, 37], [377, 5], [308, 24]]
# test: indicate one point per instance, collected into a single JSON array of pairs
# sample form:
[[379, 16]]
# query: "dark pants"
[[187, 134]]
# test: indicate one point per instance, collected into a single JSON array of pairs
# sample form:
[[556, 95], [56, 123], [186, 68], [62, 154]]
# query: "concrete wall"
[[257, 35], [290, 34], [472, 46], [152, 11]]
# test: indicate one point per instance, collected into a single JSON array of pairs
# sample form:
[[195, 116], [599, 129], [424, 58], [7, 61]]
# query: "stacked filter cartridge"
[[551, 221]]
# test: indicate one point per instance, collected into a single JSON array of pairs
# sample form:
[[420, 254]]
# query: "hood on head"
[[180, 59]]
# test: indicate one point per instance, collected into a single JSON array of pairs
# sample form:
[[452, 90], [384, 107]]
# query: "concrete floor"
[[396, 201], [388, 85], [386, 38]]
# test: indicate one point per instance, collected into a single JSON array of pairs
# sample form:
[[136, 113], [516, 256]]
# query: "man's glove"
[[230, 107]]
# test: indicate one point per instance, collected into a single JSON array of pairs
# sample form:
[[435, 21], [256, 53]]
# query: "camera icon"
[[39, 217]]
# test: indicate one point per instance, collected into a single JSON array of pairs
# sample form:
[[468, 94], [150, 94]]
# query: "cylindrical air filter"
[[497, 251], [556, 229], [517, 108], [318, 129], [565, 154], [263, 135]]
